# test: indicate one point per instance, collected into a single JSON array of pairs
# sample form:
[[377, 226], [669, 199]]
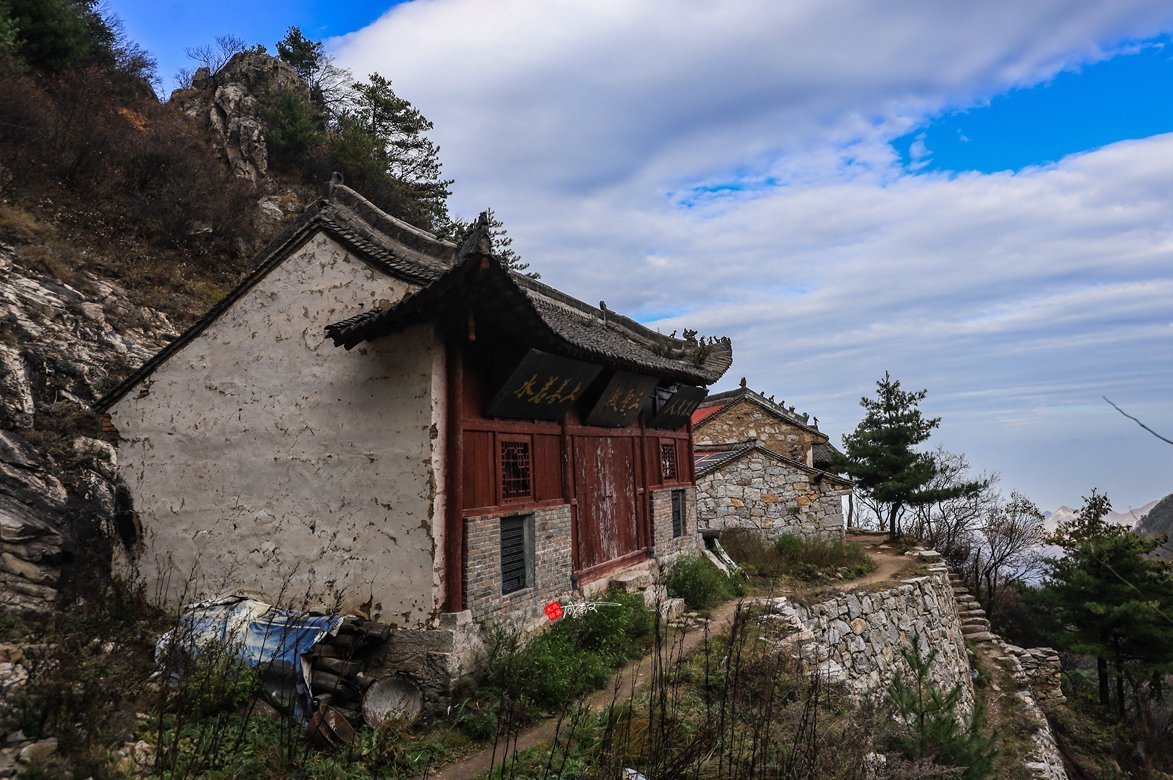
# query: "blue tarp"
[[274, 639]]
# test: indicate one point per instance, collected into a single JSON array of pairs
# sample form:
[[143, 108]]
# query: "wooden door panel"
[[607, 509]]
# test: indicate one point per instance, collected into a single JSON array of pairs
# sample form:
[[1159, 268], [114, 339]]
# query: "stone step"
[[977, 621], [971, 613], [981, 638], [974, 629]]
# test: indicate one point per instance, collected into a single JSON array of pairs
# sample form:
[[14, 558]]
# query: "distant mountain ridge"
[[1130, 517], [1159, 520]]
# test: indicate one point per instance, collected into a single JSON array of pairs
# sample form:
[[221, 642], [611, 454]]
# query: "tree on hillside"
[[1158, 522], [397, 145], [502, 243], [329, 85], [879, 454], [1111, 600], [51, 36], [215, 56], [1008, 550], [950, 522]]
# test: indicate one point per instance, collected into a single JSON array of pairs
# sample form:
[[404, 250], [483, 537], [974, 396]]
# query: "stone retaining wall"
[[857, 638]]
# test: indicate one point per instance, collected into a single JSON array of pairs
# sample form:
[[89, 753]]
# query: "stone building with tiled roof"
[[483, 444], [763, 466]]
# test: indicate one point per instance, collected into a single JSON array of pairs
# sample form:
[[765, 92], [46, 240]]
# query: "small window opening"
[[515, 470], [668, 461], [677, 513], [515, 553]]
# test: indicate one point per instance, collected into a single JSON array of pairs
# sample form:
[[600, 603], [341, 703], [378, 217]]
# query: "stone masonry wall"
[[436, 659], [669, 547], [550, 572], [857, 638], [746, 420], [760, 493]]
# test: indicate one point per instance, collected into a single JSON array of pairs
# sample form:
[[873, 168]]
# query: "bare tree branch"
[[1138, 422]]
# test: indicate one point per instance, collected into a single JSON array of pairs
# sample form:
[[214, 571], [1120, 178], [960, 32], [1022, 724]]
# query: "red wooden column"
[[454, 478], [644, 502]]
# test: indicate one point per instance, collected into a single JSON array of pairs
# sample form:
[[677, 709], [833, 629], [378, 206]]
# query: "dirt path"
[[634, 676], [889, 560]]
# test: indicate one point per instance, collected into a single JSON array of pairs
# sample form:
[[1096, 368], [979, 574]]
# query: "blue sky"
[[974, 197], [170, 27], [1124, 97]]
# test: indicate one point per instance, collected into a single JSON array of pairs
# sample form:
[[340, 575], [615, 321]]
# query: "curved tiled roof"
[[556, 321], [719, 402], [824, 454], [709, 458], [449, 277]]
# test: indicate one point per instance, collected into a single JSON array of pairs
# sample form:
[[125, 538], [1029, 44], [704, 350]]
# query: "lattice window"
[[516, 470], [668, 461], [514, 554], [678, 525]]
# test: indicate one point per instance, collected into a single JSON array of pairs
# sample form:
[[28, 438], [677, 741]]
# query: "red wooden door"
[[604, 471]]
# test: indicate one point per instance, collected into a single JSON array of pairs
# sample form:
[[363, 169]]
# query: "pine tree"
[[503, 247], [502, 242], [398, 164], [879, 454], [935, 729], [329, 85], [1109, 598]]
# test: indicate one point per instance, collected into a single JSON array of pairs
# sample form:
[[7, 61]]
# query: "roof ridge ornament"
[[335, 181], [478, 240]]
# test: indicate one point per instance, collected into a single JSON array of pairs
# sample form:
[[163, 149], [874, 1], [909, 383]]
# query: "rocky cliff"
[[61, 345]]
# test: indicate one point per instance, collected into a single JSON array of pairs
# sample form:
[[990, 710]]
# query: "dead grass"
[[18, 226]]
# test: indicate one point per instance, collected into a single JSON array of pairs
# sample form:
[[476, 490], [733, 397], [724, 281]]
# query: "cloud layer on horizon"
[[728, 167]]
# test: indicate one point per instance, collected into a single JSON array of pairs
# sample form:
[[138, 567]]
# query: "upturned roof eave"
[[482, 274]]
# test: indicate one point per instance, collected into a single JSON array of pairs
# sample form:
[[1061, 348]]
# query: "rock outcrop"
[[228, 102], [61, 346]]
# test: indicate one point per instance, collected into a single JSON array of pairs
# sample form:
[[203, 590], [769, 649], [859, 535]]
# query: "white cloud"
[[730, 161]]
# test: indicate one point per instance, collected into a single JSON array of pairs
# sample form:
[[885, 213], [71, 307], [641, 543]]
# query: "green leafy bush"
[[520, 681], [699, 583], [616, 633]]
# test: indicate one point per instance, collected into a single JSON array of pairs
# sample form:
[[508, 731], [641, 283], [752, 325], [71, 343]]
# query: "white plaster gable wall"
[[264, 459]]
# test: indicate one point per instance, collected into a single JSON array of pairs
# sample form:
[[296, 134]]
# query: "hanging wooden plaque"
[[679, 408], [542, 387], [620, 403]]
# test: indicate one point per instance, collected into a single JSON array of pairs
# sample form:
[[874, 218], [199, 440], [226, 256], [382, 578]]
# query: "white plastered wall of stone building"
[[262, 459]]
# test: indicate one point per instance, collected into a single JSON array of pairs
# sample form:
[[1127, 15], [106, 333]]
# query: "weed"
[[19, 226], [520, 682], [737, 708], [699, 583], [809, 559]]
